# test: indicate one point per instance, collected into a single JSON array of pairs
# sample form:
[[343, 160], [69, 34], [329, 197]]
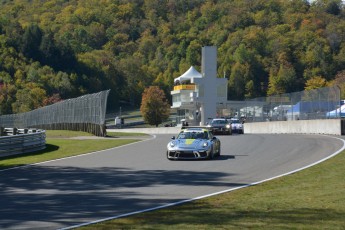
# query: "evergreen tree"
[[31, 41]]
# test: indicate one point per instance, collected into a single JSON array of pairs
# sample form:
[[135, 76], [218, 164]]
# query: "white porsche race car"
[[236, 126], [193, 143]]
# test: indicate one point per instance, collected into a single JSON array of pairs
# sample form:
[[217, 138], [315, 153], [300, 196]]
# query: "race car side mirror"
[[173, 138]]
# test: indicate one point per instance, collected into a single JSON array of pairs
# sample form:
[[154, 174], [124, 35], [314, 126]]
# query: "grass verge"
[[120, 134], [57, 146], [311, 199], [65, 134], [69, 134]]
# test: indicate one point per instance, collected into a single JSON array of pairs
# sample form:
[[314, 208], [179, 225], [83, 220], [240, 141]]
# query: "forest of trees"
[[51, 50]]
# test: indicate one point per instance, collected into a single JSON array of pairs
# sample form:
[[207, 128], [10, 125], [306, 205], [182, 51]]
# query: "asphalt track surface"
[[74, 191]]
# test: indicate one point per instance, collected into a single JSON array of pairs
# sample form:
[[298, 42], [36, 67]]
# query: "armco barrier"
[[32, 141]]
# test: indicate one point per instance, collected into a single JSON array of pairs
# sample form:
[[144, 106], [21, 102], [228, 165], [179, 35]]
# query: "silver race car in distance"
[[236, 126], [193, 143]]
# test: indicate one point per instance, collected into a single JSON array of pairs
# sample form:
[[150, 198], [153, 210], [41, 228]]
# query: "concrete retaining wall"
[[331, 127]]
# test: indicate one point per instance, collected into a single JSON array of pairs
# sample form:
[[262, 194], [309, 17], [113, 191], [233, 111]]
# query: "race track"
[[79, 190]]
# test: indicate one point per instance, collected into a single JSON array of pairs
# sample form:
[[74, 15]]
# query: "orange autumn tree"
[[154, 107]]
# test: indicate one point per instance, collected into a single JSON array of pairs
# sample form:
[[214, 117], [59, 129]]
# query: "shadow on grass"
[[218, 218], [49, 148]]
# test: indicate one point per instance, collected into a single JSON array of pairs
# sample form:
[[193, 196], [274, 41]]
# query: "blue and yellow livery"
[[193, 143]]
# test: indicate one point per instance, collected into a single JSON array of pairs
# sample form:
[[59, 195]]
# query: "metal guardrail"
[[18, 141]]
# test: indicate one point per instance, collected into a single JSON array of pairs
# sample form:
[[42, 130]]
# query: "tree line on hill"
[[56, 49]]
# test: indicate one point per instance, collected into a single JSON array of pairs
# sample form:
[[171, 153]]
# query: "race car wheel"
[[218, 154], [211, 156]]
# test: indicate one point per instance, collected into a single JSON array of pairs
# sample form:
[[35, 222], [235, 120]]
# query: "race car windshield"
[[220, 122], [192, 135]]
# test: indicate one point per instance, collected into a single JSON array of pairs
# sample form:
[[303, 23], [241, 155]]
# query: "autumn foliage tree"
[[154, 106], [76, 47]]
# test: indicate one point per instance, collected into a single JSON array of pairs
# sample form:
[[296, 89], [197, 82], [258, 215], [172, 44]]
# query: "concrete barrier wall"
[[331, 127]]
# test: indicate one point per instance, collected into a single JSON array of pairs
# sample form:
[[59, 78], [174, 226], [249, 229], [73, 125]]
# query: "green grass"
[[69, 134], [59, 147], [65, 134], [311, 199], [131, 112], [120, 134]]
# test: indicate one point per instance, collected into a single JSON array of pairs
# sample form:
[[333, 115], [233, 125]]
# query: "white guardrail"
[[16, 141]]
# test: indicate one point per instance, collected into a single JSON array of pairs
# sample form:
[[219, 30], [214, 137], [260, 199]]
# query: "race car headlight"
[[172, 144], [227, 126], [205, 144]]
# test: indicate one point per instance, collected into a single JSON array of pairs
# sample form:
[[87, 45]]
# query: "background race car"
[[236, 126]]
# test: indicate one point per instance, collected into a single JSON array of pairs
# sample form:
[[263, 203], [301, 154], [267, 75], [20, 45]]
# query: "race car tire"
[[218, 154], [211, 156]]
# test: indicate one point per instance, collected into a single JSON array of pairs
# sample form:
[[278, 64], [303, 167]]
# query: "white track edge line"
[[212, 194]]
